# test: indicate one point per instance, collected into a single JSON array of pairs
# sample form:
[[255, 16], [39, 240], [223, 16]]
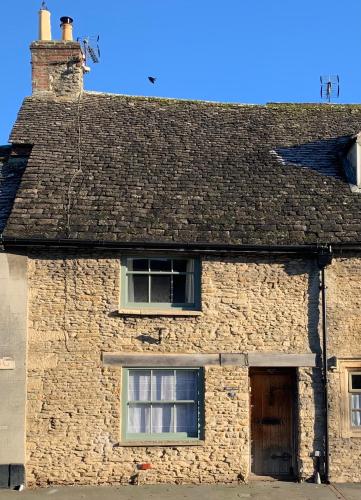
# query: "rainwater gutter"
[[311, 250]]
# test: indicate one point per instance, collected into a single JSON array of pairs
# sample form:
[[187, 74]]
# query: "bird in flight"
[[152, 79]]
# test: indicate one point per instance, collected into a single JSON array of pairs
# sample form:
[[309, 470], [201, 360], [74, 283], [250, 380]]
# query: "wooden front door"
[[272, 400]]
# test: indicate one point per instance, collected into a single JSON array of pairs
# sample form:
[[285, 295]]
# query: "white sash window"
[[355, 398], [162, 403]]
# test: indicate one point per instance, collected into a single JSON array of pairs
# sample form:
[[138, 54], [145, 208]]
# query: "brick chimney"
[[57, 65]]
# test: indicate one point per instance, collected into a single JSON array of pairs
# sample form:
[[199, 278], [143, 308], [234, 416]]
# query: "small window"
[[355, 398], [161, 404], [160, 282]]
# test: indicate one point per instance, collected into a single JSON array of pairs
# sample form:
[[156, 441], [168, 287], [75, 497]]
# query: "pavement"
[[254, 490]]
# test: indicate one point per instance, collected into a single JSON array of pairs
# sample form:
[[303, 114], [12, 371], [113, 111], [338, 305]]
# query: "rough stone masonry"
[[267, 304]]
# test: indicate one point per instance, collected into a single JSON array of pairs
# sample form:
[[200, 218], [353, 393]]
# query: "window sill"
[[162, 444], [157, 312], [352, 434]]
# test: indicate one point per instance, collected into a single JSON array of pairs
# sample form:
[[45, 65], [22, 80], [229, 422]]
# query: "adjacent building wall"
[[73, 422], [344, 321], [13, 330]]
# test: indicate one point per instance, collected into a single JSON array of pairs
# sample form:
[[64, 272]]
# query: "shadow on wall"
[[323, 157], [314, 342], [314, 332]]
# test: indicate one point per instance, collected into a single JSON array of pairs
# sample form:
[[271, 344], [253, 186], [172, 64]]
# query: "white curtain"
[[162, 418], [356, 405], [138, 418], [164, 385], [190, 282], [139, 385]]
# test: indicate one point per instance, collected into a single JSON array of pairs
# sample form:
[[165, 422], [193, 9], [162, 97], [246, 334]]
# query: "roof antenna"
[[330, 87], [90, 49]]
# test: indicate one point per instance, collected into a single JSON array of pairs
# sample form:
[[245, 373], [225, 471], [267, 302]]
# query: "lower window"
[[162, 404], [355, 398]]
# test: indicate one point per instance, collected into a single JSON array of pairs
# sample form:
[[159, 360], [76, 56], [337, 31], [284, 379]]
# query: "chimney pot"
[[66, 20], [44, 25], [67, 28]]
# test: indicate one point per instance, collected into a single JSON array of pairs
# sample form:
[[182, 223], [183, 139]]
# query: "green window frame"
[[179, 274], [146, 408], [355, 398]]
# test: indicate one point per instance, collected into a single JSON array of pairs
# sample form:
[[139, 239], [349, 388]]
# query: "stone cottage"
[[180, 287]]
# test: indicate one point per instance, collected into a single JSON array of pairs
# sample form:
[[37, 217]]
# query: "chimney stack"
[[57, 65]]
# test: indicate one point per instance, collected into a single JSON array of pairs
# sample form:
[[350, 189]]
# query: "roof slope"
[[12, 166], [126, 169]]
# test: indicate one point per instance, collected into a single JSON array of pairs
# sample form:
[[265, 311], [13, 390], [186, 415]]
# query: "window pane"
[[179, 288], [186, 385], [160, 289], [139, 418], [356, 418], [138, 288], [163, 385], [139, 385], [180, 265], [137, 264], [187, 419], [356, 401], [160, 265], [356, 381], [162, 418], [182, 288]]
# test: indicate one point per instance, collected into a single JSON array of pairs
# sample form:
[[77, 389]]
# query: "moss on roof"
[[170, 170]]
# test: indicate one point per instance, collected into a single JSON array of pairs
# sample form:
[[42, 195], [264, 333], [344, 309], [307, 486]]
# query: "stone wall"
[[74, 419], [310, 419], [344, 321]]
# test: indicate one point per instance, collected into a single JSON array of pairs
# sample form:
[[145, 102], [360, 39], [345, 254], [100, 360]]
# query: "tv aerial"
[[90, 49], [330, 87]]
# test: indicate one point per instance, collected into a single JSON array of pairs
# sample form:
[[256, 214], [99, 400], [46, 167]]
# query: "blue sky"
[[232, 50]]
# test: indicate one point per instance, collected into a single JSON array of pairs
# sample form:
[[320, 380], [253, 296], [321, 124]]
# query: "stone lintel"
[[233, 359], [270, 359], [158, 359], [219, 359]]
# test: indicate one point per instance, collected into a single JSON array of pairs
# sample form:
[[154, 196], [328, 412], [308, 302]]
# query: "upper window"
[[160, 282], [161, 403], [355, 398]]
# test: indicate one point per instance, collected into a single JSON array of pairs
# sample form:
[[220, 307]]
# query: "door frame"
[[294, 418]]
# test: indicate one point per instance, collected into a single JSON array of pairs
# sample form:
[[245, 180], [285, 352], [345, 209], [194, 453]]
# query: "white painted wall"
[[13, 329]]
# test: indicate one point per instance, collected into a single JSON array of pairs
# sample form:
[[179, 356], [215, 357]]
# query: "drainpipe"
[[324, 259]]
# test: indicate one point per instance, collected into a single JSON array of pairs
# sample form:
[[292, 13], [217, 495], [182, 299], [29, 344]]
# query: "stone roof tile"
[[120, 168]]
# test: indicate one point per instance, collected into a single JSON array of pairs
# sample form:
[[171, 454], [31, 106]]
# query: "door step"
[[255, 477]]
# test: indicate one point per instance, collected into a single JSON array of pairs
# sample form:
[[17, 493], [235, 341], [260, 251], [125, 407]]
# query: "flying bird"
[[152, 79]]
